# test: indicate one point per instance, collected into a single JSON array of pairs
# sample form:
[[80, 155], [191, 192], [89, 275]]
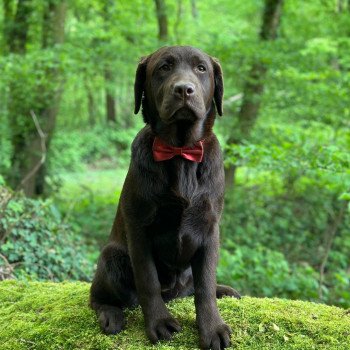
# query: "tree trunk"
[[178, 20], [194, 9], [110, 98], [48, 117], [53, 23], [27, 147], [253, 90], [90, 102], [254, 86], [8, 23], [16, 27], [17, 30], [53, 34], [109, 76], [162, 20], [271, 19], [339, 6]]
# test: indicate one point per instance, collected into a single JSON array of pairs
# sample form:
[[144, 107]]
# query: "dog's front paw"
[[215, 336], [162, 328]]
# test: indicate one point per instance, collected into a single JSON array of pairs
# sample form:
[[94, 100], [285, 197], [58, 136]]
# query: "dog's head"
[[178, 83]]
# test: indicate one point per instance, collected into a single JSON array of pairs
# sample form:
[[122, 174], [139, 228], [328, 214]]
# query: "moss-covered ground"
[[56, 316]]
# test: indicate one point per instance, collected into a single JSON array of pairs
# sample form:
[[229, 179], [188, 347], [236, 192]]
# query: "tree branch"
[[43, 150], [330, 235], [7, 270], [233, 99]]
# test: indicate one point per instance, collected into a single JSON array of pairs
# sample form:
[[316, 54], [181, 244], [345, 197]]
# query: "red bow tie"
[[163, 151]]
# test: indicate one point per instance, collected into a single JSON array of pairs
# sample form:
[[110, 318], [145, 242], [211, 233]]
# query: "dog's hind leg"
[[113, 288], [222, 291]]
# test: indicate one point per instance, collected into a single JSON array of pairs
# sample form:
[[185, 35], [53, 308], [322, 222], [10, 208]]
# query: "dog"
[[165, 237]]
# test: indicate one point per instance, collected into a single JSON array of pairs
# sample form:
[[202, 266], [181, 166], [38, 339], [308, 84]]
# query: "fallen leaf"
[[261, 328], [275, 327]]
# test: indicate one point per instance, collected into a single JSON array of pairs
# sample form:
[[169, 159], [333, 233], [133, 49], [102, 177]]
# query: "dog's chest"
[[183, 178], [173, 237], [174, 245]]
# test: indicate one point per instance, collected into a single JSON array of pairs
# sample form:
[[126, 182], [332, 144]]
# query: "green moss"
[[56, 316]]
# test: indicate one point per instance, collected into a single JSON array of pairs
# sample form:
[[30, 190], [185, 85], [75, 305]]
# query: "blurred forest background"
[[66, 123]]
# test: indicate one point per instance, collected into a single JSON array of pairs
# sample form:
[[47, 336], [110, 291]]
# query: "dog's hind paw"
[[111, 320], [222, 291]]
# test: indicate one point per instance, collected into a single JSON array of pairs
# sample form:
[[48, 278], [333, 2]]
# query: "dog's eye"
[[201, 68], [165, 67]]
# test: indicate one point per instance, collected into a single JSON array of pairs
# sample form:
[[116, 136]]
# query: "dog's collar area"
[[162, 151]]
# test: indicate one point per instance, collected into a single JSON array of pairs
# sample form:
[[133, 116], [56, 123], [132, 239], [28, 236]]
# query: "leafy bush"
[[5, 147], [278, 233], [36, 244], [264, 272], [288, 214], [88, 201]]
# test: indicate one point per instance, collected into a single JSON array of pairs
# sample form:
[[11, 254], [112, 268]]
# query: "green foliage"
[[275, 232], [5, 143], [86, 195], [36, 244], [293, 172], [292, 176], [262, 271], [30, 88], [70, 324], [74, 150], [88, 201]]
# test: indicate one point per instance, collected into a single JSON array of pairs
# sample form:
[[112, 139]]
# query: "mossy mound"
[[56, 316]]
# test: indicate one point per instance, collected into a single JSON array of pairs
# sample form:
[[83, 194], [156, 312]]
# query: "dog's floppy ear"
[[219, 85], [140, 80]]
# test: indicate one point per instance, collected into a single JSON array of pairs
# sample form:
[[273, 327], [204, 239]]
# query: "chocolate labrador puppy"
[[165, 237]]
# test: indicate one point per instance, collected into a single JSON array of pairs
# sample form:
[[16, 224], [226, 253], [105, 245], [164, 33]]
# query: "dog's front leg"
[[213, 332], [159, 322]]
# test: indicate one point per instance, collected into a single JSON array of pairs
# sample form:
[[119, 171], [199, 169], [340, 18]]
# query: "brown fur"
[[165, 237]]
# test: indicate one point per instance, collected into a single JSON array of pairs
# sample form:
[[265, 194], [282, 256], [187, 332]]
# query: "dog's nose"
[[184, 90]]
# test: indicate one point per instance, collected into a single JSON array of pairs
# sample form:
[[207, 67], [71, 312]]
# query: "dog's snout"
[[184, 90]]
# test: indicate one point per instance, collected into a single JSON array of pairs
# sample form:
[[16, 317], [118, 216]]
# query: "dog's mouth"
[[183, 113]]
